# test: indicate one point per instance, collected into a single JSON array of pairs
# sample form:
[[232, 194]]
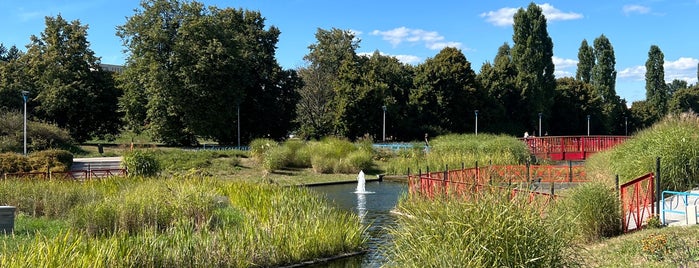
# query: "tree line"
[[201, 72]]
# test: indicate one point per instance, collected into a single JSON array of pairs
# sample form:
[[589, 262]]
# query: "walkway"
[[574, 148]]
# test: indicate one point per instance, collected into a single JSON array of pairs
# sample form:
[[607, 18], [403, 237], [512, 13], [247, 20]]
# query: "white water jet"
[[361, 183]]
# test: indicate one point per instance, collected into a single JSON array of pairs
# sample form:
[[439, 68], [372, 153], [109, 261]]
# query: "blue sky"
[[416, 30]]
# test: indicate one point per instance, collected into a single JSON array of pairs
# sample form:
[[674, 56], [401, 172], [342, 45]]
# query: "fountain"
[[361, 183]]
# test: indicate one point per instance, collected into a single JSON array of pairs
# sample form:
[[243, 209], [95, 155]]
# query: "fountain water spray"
[[361, 183]]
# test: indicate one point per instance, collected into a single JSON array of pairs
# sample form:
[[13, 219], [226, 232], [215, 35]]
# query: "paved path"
[[96, 163]]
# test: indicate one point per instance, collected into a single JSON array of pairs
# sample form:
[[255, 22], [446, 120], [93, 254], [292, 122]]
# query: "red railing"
[[69, 175], [570, 147], [637, 202]]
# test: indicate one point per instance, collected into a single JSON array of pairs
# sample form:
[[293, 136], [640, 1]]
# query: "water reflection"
[[374, 209]]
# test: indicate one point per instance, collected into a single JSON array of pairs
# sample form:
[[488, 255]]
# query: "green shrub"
[[141, 163], [300, 153], [13, 163], [276, 158], [40, 136], [674, 140], [490, 231], [323, 165], [53, 159], [258, 148], [592, 211], [354, 162]]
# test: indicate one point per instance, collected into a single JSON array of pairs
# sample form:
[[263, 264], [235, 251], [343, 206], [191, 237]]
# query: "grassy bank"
[[182, 221]]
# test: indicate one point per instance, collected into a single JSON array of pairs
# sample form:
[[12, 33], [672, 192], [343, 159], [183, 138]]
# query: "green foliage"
[[54, 160], [180, 222], [586, 61], [684, 100], [276, 158], [299, 153], [40, 136], [260, 147], [591, 211], [657, 92], [13, 162], [141, 163], [654, 222], [489, 231], [674, 140], [573, 102], [455, 150]]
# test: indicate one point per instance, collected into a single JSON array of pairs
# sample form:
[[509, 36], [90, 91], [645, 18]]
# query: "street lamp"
[[588, 125], [384, 122], [626, 126], [539, 124], [476, 112], [25, 97]]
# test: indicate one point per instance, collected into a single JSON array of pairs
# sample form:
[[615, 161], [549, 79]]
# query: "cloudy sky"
[[413, 31]]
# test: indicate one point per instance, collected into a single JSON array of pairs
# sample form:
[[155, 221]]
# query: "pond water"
[[374, 209]]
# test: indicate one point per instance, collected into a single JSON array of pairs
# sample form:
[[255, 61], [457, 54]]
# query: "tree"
[[532, 55], [68, 86], [586, 62], [574, 101], [190, 69], [505, 102], [656, 90], [446, 93], [683, 100], [604, 83], [676, 85], [334, 49]]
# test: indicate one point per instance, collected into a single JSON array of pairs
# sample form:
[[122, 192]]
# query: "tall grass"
[[184, 221], [591, 211], [456, 149], [492, 231], [675, 140]]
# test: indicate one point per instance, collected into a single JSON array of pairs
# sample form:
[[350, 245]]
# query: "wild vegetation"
[[181, 221]]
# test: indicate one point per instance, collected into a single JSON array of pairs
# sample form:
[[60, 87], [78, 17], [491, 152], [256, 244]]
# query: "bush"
[[13, 163], [54, 160], [300, 153], [276, 158], [40, 136], [592, 211], [258, 147], [141, 163], [674, 140]]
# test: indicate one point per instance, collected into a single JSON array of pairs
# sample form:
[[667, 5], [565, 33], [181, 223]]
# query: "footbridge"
[[575, 148]]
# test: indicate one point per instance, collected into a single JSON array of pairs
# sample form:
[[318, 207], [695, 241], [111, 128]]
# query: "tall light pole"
[[626, 125], [384, 122], [588, 125], [25, 97], [539, 124], [476, 112], [237, 107]]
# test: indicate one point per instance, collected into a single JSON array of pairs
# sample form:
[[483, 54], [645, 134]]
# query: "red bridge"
[[570, 147]]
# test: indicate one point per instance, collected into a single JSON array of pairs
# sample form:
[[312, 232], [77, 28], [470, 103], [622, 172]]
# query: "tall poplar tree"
[[532, 55], [656, 89], [604, 83], [586, 61]]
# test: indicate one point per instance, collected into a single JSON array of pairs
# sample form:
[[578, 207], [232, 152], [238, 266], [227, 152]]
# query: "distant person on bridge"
[[427, 144]]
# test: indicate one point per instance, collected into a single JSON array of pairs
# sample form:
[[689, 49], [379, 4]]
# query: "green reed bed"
[[488, 231], [457, 149], [183, 221], [675, 140]]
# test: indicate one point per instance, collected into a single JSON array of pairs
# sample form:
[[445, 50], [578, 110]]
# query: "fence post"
[[552, 189], [570, 171], [618, 196], [528, 175], [478, 173], [657, 185]]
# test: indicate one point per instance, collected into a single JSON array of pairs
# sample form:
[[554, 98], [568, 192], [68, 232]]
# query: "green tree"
[[67, 84], [574, 101], [604, 83], [586, 62], [446, 93], [333, 51], [190, 69], [532, 55], [504, 104], [683, 100], [676, 85], [656, 90], [13, 79]]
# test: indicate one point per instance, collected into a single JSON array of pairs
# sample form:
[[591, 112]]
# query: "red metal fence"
[[637, 202], [69, 175], [570, 147]]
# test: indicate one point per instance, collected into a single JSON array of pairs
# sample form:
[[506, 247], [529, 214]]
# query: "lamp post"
[[539, 124], [476, 112], [626, 126], [25, 97], [237, 107], [588, 125], [384, 122]]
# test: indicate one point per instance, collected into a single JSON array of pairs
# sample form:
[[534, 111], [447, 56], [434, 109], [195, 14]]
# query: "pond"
[[374, 207]]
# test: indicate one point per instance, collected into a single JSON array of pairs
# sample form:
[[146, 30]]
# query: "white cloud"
[[407, 59], [564, 66], [681, 69], [629, 9], [432, 40], [505, 15]]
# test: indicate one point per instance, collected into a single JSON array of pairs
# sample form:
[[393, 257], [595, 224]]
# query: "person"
[[427, 144], [526, 134]]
